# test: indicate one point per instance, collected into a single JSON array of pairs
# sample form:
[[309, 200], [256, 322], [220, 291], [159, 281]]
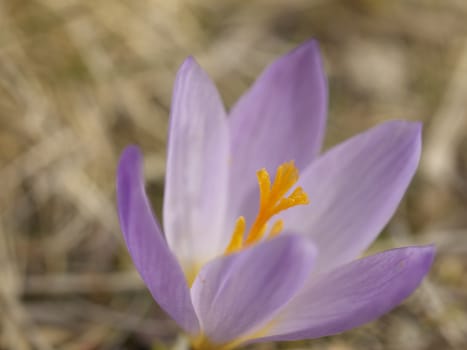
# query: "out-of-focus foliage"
[[80, 79]]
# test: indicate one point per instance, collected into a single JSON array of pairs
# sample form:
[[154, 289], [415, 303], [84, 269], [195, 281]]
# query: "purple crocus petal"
[[351, 295], [354, 190], [197, 169], [146, 245], [281, 118], [232, 294]]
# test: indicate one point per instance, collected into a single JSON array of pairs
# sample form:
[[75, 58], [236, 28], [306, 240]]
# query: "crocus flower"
[[247, 257]]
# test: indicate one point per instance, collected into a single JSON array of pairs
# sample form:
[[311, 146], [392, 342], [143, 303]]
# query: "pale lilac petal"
[[232, 294], [197, 169], [148, 249], [281, 118], [351, 295], [354, 190]]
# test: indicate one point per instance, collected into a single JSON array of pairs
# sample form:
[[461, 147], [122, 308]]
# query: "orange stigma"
[[272, 201]]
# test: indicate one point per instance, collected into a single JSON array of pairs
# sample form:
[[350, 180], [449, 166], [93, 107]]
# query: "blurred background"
[[80, 79]]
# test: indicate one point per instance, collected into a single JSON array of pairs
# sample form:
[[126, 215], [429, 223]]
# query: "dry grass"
[[81, 79]]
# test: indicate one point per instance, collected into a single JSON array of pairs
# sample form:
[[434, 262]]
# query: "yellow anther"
[[272, 201], [276, 228], [264, 186], [236, 242]]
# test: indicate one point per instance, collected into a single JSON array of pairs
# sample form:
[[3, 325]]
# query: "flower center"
[[272, 201]]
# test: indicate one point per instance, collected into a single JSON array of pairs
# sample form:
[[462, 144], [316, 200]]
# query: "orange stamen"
[[272, 201]]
